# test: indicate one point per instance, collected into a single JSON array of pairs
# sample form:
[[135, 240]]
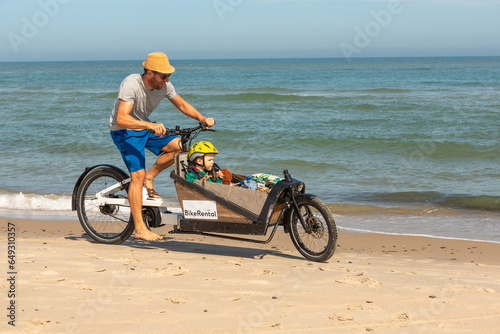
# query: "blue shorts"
[[132, 146]]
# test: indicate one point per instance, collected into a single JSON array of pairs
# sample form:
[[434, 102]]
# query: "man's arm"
[[124, 120], [190, 111]]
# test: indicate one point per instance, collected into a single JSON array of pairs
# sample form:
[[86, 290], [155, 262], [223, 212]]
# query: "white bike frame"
[[102, 200]]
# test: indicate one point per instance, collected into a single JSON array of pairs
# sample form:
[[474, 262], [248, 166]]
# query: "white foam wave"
[[35, 202], [358, 230]]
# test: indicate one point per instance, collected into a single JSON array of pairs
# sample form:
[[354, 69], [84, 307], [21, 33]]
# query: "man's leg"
[[135, 200], [131, 146], [164, 161]]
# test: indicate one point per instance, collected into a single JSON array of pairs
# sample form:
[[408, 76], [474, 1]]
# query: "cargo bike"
[[101, 201]]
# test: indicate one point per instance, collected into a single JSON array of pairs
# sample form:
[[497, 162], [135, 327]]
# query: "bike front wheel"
[[108, 223], [318, 240]]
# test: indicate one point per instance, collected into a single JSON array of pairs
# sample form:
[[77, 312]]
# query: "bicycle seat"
[[181, 160]]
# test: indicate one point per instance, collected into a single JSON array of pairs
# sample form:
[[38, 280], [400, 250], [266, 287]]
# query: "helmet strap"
[[210, 173], [202, 161]]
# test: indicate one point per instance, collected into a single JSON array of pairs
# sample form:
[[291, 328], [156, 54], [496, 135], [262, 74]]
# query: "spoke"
[[317, 240], [109, 220]]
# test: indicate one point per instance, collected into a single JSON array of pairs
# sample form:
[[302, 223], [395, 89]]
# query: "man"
[[130, 129]]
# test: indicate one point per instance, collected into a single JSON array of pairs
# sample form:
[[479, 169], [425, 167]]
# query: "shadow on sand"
[[196, 247]]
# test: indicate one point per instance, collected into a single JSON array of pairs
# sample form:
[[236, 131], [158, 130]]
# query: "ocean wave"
[[274, 97], [374, 210], [387, 90], [111, 95], [483, 202], [358, 230], [37, 202], [366, 107], [439, 200], [399, 203]]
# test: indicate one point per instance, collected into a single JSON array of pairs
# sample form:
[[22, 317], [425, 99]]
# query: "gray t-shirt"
[[133, 90]]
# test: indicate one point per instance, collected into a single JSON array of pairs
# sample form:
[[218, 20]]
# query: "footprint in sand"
[[358, 307], [236, 263], [341, 269], [173, 270], [38, 322], [401, 316], [269, 272], [341, 317], [333, 269], [91, 255], [177, 300], [371, 283]]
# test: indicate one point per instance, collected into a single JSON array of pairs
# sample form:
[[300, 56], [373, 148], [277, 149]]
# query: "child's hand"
[[219, 174], [204, 178]]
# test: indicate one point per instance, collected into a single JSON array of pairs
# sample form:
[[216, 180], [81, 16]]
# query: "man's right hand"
[[157, 128], [209, 122]]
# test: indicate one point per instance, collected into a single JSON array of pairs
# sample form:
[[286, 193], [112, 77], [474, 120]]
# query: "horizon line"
[[266, 58]]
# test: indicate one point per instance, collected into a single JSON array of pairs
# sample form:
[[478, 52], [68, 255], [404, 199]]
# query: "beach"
[[393, 145], [188, 283], [403, 151]]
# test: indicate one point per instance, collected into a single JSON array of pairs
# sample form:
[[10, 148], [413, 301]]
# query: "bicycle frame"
[[206, 208], [103, 200]]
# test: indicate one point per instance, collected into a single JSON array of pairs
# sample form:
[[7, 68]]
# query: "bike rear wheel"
[[319, 243], [109, 223]]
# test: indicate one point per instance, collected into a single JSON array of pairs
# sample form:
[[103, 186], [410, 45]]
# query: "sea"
[[392, 145]]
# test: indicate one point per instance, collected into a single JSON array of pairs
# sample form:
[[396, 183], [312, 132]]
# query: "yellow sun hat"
[[158, 62]]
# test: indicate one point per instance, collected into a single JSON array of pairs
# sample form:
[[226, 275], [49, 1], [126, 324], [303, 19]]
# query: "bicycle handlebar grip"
[[167, 131], [204, 126]]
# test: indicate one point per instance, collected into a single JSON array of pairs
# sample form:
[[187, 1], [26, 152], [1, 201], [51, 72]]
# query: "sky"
[[68, 30]]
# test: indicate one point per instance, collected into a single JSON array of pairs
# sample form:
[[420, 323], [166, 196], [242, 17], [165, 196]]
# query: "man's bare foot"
[[151, 190], [147, 235]]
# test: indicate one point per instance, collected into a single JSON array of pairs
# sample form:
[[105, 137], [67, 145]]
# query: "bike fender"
[[276, 192], [80, 179], [288, 211]]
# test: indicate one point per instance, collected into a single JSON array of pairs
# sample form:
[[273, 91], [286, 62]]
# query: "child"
[[201, 163]]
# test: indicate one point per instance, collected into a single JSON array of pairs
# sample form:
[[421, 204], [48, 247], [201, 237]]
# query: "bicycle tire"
[[108, 224], [319, 244]]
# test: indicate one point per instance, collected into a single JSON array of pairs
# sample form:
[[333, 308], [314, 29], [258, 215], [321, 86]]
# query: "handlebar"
[[187, 134], [187, 131], [180, 132]]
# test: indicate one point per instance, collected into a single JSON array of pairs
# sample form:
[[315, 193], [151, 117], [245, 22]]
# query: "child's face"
[[209, 161]]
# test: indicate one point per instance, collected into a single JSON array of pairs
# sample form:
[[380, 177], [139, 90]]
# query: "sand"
[[66, 283]]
